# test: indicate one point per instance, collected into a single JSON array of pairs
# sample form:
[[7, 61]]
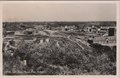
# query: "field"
[[59, 53]]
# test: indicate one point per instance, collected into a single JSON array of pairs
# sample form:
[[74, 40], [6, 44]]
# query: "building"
[[100, 30], [109, 41], [107, 31]]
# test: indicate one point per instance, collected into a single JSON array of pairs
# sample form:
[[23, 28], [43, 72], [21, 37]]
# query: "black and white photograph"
[[59, 38]]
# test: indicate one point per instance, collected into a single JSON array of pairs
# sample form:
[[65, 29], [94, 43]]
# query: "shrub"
[[67, 58]]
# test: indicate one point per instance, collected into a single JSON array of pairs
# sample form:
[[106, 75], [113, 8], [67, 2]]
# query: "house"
[[100, 30], [108, 40], [107, 31], [69, 28], [91, 29]]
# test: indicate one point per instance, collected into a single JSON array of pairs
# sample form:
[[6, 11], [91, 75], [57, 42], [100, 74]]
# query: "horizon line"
[[60, 21]]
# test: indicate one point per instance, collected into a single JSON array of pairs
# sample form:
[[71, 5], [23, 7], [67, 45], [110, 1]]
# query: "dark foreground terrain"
[[59, 53]]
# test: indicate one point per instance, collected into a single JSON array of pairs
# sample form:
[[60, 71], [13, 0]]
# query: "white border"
[[3, 2], [61, 76]]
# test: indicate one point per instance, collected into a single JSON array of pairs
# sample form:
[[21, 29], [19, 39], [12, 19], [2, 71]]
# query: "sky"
[[59, 11]]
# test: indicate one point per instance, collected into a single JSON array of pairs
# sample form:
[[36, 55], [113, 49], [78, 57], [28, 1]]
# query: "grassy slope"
[[60, 55]]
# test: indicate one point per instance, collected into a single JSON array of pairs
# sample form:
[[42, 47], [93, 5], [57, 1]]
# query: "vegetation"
[[60, 56], [63, 53], [14, 26]]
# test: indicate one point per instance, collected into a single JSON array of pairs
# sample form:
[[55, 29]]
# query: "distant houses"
[[105, 35], [101, 30], [70, 27], [109, 41], [97, 33]]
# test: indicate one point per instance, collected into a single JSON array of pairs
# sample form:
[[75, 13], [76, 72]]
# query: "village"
[[105, 35]]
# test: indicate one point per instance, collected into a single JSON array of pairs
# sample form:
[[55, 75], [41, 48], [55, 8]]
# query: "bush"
[[67, 58]]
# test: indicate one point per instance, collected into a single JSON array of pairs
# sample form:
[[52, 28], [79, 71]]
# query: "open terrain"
[[54, 52]]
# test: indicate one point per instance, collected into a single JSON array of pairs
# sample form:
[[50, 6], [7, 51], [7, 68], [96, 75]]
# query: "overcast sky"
[[59, 11]]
